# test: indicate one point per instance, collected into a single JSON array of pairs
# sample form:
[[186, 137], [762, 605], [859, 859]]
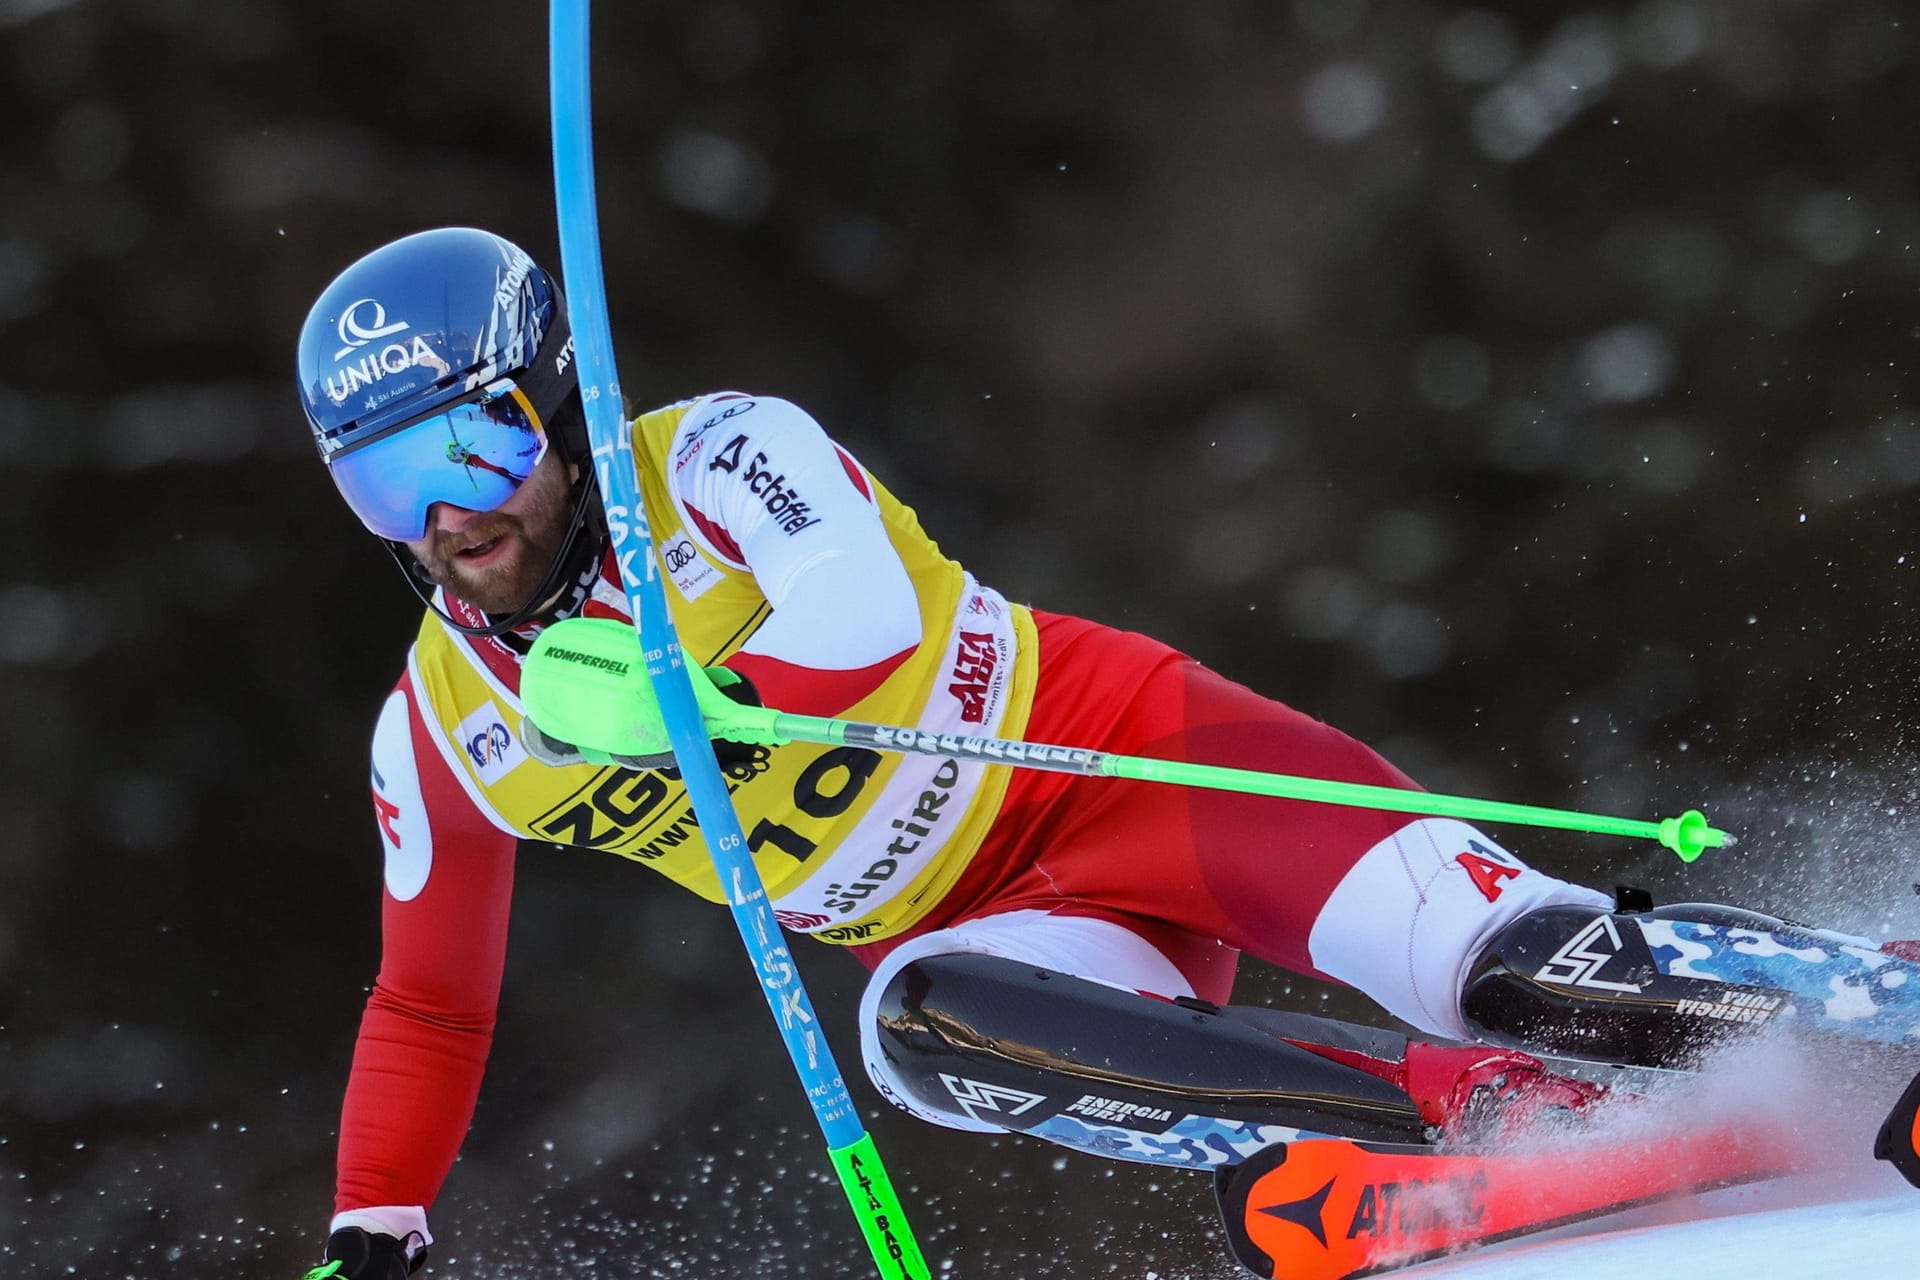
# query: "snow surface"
[[1872, 1238]]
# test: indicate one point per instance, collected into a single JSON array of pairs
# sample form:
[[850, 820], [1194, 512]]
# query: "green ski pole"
[[1687, 835], [576, 686]]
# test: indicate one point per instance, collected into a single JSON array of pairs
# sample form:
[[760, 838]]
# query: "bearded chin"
[[532, 536], [499, 588]]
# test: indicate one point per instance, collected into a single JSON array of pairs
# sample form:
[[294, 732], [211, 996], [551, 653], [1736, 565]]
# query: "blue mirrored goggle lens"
[[473, 455]]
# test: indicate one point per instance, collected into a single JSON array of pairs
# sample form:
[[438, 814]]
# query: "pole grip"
[[877, 1207]]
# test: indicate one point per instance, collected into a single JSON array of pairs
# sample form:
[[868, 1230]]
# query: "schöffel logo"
[[357, 329], [973, 668], [791, 513]]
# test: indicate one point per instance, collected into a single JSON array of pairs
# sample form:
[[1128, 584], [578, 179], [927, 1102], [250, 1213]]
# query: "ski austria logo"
[[490, 744], [490, 747], [1580, 961], [981, 1100]]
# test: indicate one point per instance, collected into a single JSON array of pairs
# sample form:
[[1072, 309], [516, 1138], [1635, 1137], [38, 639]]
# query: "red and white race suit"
[[789, 563]]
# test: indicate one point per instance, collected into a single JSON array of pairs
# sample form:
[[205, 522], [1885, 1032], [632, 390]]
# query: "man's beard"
[[533, 539]]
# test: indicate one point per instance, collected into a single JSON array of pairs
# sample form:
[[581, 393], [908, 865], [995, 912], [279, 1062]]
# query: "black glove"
[[354, 1253]]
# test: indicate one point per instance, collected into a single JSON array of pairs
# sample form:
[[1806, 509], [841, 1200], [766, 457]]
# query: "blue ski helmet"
[[436, 369], [439, 368]]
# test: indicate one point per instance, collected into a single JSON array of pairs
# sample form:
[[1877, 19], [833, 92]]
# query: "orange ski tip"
[[1330, 1209], [1898, 1141], [1286, 1225]]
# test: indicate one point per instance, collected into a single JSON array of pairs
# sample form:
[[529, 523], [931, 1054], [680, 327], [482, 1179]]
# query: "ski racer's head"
[[438, 378]]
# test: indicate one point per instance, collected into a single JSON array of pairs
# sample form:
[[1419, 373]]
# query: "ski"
[[1898, 1141], [1331, 1209]]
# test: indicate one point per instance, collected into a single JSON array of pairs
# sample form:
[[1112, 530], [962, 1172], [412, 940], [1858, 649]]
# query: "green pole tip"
[[1689, 835]]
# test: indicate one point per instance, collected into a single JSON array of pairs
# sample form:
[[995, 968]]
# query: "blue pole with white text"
[[862, 1175]]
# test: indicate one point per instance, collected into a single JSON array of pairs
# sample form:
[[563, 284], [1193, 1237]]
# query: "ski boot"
[[1662, 987]]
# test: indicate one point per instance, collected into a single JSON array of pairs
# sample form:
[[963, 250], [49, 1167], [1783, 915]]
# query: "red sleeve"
[[429, 1022]]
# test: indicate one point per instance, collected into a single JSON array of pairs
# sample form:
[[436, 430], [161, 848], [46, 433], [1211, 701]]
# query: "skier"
[[1049, 954]]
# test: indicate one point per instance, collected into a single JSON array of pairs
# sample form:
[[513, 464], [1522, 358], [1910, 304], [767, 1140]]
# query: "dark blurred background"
[[1524, 388]]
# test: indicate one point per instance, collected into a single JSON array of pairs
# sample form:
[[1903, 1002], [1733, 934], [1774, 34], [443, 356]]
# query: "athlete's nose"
[[444, 517]]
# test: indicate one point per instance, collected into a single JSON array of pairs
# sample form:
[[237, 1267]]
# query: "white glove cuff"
[[397, 1220]]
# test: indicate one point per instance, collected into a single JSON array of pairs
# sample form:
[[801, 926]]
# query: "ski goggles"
[[474, 453]]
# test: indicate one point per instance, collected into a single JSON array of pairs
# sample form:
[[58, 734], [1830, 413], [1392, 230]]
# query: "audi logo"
[[679, 555]]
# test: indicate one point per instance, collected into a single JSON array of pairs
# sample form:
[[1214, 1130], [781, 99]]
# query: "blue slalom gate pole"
[[864, 1178]]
